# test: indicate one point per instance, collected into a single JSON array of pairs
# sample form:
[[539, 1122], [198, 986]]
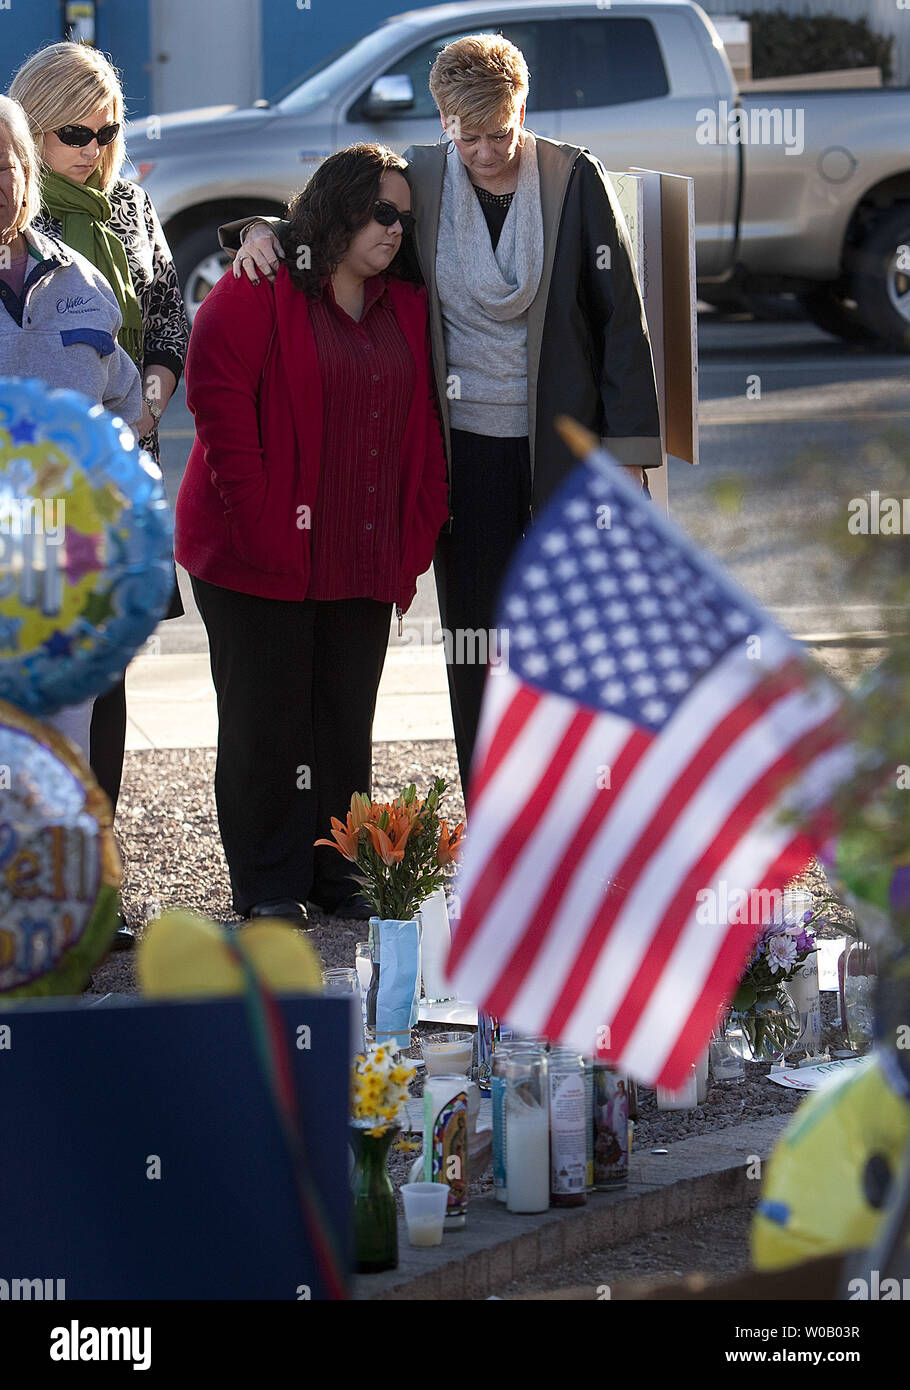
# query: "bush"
[[785, 44]]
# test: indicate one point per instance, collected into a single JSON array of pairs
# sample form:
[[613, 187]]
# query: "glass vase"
[[767, 1031], [860, 979], [375, 1218]]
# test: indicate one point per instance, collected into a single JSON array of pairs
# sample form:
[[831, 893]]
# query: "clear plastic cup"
[[425, 1210]]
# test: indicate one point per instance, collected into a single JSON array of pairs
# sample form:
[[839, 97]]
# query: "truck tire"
[[200, 264], [880, 280], [830, 310]]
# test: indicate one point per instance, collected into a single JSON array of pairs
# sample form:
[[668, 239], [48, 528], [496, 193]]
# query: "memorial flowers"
[[400, 848], [379, 1089]]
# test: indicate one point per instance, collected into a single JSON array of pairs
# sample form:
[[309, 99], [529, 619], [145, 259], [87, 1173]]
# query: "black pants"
[[296, 684], [108, 733], [491, 506], [108, 740]]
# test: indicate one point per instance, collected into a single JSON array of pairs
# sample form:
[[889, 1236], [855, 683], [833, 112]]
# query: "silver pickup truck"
[[795, 192]]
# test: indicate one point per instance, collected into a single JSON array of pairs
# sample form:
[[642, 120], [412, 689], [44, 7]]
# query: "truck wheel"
[[881, 278], [200, 264], [827, 307]]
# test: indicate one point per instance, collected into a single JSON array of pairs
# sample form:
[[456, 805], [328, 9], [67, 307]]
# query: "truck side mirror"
[[388, 95]]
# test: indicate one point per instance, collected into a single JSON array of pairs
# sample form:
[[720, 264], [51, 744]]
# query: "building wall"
[[121, 32], [883, 16]]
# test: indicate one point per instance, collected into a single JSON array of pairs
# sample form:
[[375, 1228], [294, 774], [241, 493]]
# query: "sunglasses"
[[387, 214], [80, 135]]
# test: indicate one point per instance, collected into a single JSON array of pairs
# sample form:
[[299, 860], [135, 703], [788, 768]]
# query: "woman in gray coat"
[[59, 318]]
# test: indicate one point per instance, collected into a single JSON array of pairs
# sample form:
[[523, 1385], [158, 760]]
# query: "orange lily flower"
[[449, 843], [345, 838], [389, 844]]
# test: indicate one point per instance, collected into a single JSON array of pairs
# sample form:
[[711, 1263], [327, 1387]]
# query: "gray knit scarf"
[[485, 296]]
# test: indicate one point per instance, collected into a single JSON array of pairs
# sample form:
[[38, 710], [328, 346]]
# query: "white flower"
[[781, 952]]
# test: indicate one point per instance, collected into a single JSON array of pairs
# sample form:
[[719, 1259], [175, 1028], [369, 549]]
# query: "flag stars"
[[625, 636], [517, 607], [536, 664], [644, 685], [546, 604], [603, 666], [627, 560], [554, 544], [614, 692], [574, 679], [585, 618], [635, 661], [556, 629], [565, 652], [655, 711], [566, 569], [676, 680], [578, 510], [594, 642], [536, 577]]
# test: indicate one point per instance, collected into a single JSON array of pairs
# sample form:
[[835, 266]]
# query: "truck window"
[[610, 60], [417, 64]]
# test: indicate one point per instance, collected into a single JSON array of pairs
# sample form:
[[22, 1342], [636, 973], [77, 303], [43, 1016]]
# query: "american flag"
[[635, 754]]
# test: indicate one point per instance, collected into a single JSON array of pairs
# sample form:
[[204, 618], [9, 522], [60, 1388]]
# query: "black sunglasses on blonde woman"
[[80, 135]]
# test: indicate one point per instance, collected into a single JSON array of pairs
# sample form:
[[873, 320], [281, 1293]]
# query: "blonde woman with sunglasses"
[[74, 103]]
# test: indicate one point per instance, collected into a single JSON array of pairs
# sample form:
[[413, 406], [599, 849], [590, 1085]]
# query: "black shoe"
[[352, 909], [124, 939], [286, 908]]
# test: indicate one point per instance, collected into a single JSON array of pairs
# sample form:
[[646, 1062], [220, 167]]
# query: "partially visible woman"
[[74, 103], [76, 347], [312, 500]]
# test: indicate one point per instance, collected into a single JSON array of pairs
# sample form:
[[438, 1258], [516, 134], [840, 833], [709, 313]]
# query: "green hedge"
[[784, 44]]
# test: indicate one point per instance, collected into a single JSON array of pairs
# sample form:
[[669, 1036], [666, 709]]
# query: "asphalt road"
[[793, 424]]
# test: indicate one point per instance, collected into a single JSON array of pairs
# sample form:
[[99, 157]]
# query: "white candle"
[[435, 940], [443, 1059], [528, 1146], [686, 1098]]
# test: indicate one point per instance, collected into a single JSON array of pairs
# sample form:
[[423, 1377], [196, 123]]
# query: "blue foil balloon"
[[86, 547]]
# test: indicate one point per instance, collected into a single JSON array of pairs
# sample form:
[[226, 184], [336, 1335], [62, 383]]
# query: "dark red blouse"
[[368, 378]]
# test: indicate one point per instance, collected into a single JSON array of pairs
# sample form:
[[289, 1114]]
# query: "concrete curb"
[[694, 1178]]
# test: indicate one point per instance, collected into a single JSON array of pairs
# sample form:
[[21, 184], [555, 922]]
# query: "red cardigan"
[[253, 386]]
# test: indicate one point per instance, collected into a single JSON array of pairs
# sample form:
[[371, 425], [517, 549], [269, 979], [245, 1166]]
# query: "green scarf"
[[83, 210]]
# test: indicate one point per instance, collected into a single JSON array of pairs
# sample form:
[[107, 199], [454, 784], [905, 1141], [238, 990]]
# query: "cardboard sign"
[[142, 1156]]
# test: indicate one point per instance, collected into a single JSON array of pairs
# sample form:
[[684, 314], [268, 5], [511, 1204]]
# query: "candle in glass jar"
[[446, 1053], [527, 1132]]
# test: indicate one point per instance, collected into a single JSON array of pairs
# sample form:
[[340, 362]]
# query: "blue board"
[[90, 1098]]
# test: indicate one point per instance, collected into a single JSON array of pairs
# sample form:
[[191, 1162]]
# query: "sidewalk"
[[171, 700]]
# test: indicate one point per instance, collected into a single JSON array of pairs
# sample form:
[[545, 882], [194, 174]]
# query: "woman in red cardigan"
[[312, 500]]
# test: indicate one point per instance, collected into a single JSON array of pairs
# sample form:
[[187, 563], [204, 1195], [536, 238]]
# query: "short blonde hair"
[[480, 82], [61, 85], [14, 122]]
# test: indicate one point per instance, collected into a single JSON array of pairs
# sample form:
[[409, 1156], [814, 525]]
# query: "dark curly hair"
[[335, 205]]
